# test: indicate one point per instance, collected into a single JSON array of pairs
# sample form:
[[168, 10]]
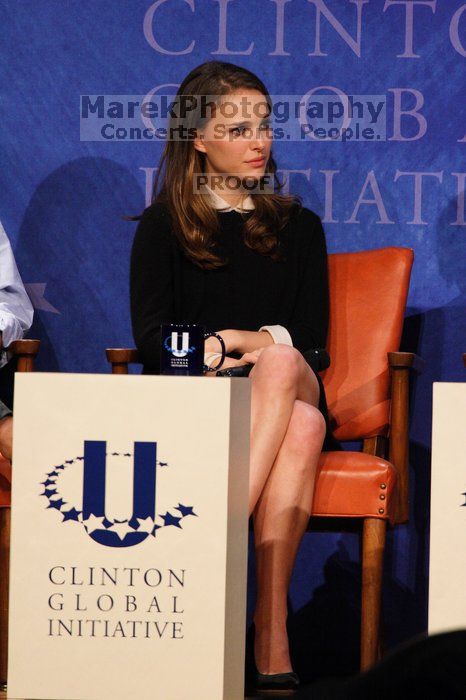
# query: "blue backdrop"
[[63, 199]]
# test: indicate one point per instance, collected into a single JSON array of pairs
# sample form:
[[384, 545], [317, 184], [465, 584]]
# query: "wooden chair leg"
[[373, 545], [4, 585]]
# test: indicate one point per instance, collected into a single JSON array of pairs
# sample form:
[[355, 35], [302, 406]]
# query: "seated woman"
[[253, 268]]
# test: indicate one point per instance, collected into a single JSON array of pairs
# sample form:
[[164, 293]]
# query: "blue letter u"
[[144, 483]]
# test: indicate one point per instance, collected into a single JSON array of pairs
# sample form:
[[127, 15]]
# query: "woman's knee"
[[306, 428], [279, 363]]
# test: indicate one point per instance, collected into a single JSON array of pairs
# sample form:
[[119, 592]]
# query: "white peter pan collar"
[[222, 205]]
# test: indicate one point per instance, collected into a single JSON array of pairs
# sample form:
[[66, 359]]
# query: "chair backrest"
[[368, 292]]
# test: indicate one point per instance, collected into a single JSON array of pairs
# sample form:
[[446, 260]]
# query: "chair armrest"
[[406, 360], [26, 352], [120, 358]]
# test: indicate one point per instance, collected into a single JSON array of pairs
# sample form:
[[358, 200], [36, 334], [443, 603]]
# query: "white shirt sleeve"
[[279, 334], [16, 310]]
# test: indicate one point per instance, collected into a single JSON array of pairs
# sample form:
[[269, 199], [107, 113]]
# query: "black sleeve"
[[151, 284], [309, 322]]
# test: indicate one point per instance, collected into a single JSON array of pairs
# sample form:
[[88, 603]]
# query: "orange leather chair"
[[25, 351], [367, 392]]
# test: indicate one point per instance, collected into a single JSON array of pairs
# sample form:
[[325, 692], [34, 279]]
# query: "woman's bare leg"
[[284, 477], [280, 376]]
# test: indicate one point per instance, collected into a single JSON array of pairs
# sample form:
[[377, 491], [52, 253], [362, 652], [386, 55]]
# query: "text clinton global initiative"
[[82, 594]]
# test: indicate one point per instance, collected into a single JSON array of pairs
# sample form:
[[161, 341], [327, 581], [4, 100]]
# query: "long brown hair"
[[195, 222]]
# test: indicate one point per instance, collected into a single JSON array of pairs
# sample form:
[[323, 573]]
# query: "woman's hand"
[[229, 362], [250, 357]]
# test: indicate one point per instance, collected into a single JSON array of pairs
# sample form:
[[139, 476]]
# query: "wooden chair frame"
[[374, 529]]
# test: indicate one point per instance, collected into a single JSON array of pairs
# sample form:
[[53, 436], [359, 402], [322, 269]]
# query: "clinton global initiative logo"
[[113, 495], [172, 344]]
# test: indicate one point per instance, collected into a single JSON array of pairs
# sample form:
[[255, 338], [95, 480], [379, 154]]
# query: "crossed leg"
[[287, 432]]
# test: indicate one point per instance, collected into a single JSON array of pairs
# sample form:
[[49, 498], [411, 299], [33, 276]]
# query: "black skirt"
[[330, 443]]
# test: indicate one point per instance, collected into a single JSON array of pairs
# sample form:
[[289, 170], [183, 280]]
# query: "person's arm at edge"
[[16, 310]]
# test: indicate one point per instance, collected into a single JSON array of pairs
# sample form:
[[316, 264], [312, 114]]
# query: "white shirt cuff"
[[279, 334]]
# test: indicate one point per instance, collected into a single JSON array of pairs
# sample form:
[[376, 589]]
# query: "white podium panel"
[[447, 575], [129, 537]]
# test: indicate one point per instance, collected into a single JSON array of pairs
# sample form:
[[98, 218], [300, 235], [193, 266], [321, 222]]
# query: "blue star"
[[49, 492], [169, 519], [71, 514], [52, 474], [80, 458], [154, 529], [163, 464], [56, 504], [49, 482], [115, 454], [127, 454], [69, 461], [60, 466], [185, 510]]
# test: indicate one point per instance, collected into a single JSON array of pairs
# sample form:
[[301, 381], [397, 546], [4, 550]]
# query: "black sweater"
[[251, 291]]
